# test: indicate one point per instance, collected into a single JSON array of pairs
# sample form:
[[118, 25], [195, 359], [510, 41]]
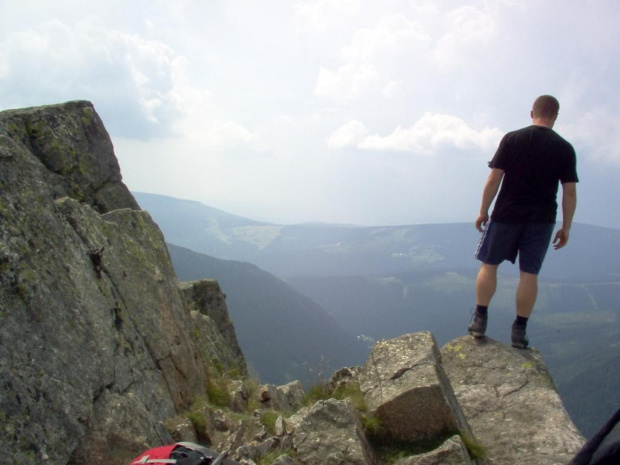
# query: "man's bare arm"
[[569, 205], [488, 194]]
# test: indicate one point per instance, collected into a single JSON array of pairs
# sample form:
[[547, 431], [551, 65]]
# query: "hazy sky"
[[343, 111]]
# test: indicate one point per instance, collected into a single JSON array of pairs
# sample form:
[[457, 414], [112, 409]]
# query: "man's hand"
[[560, 239], [481, 221]]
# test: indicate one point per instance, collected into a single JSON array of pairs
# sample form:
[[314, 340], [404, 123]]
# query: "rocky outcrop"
[[213, 332], [97, 348], [285, 398], [510, 402], [73, 147], [503, 410]]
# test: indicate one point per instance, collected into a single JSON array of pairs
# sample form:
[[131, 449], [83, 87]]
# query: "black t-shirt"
[[534, 159]]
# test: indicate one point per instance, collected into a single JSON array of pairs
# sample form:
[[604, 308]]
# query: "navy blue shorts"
[[504, 241]]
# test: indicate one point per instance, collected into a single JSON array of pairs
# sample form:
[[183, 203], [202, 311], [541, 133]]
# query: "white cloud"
[[228, 134], [347, 135], [203, 124], [594, 135], [467, 29], [394, 35], [370, 59], [430, 135], [393, 88], [128, 77], [319, 14], [348, 83]]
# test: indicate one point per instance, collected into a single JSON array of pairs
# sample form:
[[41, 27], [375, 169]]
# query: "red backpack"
[[183, 453]]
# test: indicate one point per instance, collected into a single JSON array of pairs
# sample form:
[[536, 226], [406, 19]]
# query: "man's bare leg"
[[527, 292], [486, 284]]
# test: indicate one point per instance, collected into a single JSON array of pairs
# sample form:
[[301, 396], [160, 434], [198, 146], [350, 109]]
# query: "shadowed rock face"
[[510, 402], [95, 341]]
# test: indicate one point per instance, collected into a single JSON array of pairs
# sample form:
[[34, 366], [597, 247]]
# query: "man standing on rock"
[[529, 164]]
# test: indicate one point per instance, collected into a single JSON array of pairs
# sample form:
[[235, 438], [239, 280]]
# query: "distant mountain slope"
[[201, 228], [308, 249], [281, 332], [341, 250]]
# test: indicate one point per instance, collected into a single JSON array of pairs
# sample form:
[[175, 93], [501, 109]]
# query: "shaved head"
[[546, 107]]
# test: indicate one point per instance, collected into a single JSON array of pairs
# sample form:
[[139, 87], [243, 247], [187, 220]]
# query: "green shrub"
[[268, 419], [315, 393], [373, 427], [198, 420], [352, 392], [219, 392], [253, 387]]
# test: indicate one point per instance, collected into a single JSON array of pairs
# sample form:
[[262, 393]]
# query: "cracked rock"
[[405, 387], [510, 402]]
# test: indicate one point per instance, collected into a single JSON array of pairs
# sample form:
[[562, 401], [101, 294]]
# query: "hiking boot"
[[519, 337], [478, 325]]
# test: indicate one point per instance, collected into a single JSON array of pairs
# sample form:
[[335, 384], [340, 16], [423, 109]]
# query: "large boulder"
[[510, 402], [405, 387], [285, 398], [330, 433]]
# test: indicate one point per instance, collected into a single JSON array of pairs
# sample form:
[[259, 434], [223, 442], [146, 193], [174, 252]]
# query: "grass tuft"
[[268, 419], [217, 390], [475, 448]]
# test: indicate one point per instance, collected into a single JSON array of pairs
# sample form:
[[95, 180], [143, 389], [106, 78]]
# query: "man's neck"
[[543, 122]]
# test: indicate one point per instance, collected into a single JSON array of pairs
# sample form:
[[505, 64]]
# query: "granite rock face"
[[330, 433], [96, 345], [510, 402], [286, 398], [213, 331], [73, 146]]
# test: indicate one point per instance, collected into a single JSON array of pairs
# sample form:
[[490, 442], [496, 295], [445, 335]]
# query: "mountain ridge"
[[336, 250]]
